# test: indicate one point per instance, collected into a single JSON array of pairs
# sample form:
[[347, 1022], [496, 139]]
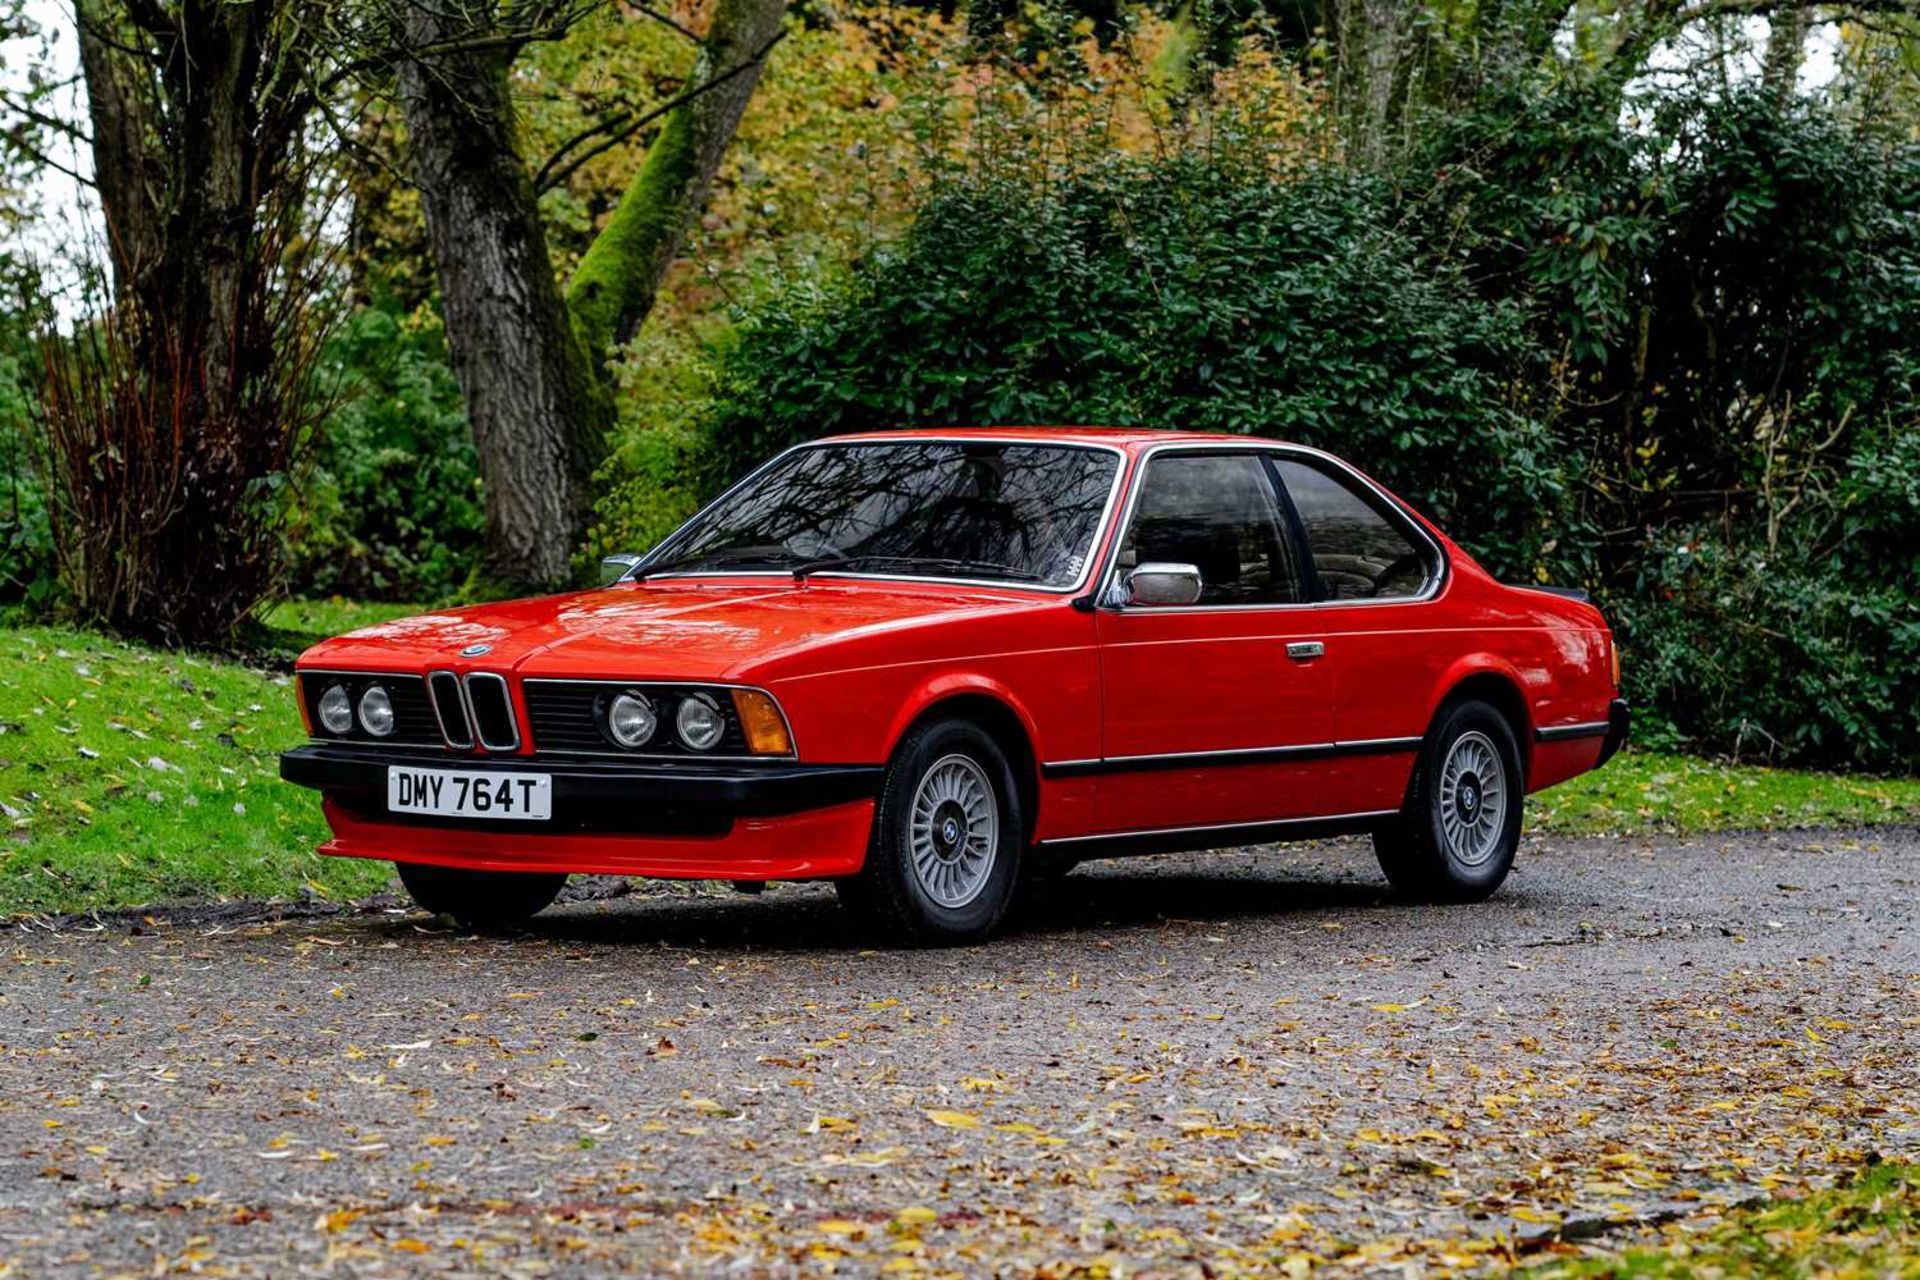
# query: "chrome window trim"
[[1110, 575], [513, 716], [621, 753], [433, 700], [1101, 528]]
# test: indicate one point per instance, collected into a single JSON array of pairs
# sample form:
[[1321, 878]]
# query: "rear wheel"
[[1455, 838], [480, 899], [946, 842]]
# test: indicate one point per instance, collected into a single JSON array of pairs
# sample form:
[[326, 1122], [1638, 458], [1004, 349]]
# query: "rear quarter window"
[[1358, 551]]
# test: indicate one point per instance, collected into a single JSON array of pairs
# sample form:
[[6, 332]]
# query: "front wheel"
[[947, 835], [480, 899], [1455, 837]]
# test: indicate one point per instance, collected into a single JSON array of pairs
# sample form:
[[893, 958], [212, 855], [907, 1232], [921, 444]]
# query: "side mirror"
[[1158, 583], [614, 568]]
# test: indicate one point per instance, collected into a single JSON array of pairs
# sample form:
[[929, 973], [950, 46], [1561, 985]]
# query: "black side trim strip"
[[1565, 593], [1228, 759], [1619, 723], [1227, 836], [1568, 732]]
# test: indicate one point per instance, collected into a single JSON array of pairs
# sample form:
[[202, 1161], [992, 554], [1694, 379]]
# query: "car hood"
[[661, 630]]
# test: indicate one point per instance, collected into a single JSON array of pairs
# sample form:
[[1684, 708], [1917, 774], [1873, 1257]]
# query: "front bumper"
[[1619, 722], [696, 818], [600, 789]]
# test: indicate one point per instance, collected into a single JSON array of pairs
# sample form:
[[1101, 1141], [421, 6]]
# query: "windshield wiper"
[[771, 558], [955, 564]]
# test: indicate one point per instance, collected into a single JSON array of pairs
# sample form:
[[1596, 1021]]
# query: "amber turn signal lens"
[[1613, 645], [765, 727]]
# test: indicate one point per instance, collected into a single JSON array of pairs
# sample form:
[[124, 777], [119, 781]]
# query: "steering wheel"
[[1411, 560]]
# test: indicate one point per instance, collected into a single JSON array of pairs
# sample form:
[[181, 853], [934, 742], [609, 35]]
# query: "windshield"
[[1023, 513]]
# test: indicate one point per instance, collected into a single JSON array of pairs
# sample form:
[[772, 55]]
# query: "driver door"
[[1207, 706]]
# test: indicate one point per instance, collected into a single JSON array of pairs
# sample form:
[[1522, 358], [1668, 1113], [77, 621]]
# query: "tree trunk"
[[537, 414], [1368, 40], [529, 361], [614, 286], [173, 415], [126, 173], [1787, 31], [177, 158]]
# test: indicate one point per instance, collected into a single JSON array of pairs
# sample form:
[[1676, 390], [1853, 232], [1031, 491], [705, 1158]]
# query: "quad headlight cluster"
[[700, 719], [336, 710]]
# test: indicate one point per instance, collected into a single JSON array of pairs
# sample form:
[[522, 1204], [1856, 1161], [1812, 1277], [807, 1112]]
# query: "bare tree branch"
[[65, 128], [94, 29], [16, 139], [151, 18], [664, 19], [553, 172], [508, 42]]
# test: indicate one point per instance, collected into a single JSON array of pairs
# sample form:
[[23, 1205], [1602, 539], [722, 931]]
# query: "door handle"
[[1305, 650]]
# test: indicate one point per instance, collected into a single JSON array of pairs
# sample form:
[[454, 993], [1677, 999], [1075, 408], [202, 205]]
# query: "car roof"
[[1129, 438]]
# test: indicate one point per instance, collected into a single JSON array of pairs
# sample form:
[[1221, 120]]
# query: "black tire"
[[1435, 855], [480, 899], [969, 863]]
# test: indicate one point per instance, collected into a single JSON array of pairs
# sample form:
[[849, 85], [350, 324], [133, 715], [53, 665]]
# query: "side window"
[[1358, 553], [1217, 512]]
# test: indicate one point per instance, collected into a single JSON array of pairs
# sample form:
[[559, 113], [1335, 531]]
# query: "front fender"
[[956, 684]]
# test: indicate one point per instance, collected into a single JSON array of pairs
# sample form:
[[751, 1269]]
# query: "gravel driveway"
[[1232, 1062]]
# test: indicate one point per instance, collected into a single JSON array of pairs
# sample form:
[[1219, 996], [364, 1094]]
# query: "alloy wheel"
[[954, 830]]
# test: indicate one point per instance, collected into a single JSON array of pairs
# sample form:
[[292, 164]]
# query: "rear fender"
[[1485, 666]]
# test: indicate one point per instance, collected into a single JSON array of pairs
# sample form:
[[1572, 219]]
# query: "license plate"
[[469, 793]]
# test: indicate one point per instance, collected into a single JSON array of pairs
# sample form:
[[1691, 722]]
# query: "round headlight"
[[376, 712], [630, 720], [699, 722], [336, 709]]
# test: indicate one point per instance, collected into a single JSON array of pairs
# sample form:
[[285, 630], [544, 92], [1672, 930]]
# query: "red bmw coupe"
[[927, 665]]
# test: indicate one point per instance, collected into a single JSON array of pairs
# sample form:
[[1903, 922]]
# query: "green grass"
[[293, 625], [1655, 791], [1870, 1227], [130, 775]]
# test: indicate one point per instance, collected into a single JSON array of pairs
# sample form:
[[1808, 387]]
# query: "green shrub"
[[1728, 649], [392, 508], [655, 469], [1194, 292], [28, 573], [1731, 285]]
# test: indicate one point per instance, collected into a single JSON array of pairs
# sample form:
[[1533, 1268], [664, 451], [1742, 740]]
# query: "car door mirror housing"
[[1161, 584], [614, 568]]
